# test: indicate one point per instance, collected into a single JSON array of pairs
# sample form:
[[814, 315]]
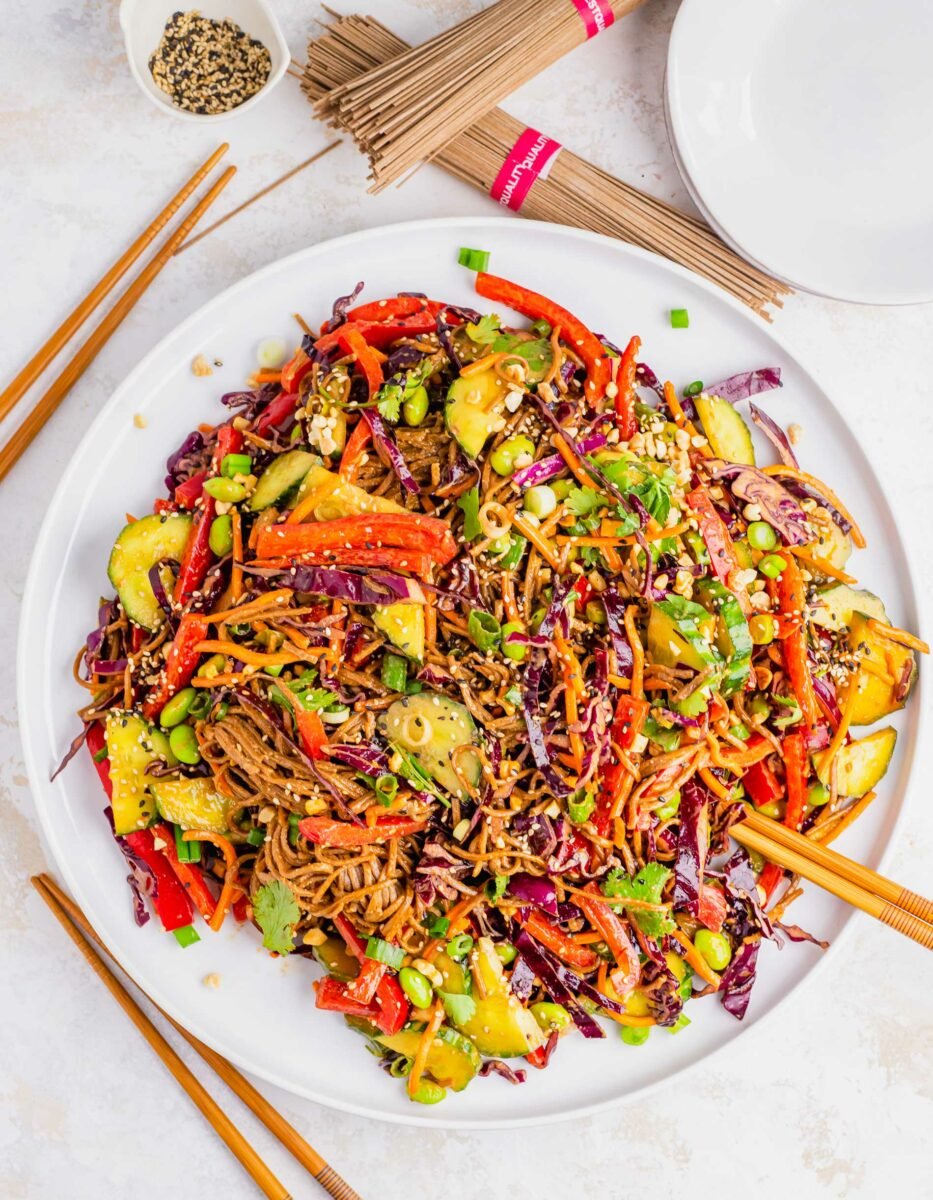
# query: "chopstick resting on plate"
[[79, 929]]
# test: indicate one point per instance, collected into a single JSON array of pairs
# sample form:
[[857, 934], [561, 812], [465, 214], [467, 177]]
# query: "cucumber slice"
[[500, 1027], [832, 545], [432, 728], [137, 549], [403, 625], [452, 1060], [725, 430], [132, 745], [536, 352], [875, 697], [733, 639], [677, 630], [335, 958], [860, 765], [837, 605], [339, 499], [474, 410], [456, 979], [284, 472], [191, 803]]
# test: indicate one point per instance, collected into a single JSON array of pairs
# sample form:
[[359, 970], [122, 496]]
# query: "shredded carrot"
[[544, 548], [335, 641], [255, 658], [735, 759], [601, 974], [236, 569], [573, 688], [430, 626], [657, 685], [569, 539], [696, 960], [555, 356], [821, 565], [829, 833], [839, 737], [572, 460], [267, 376], [638, 653], [827, 493], [230, 888], [508, 596], [306, 506], [353, 450], [248, 611], [618, 681], [713, 784], [457, 916], [680, 417], [901, 636], [627, 1018], [424, 1048], [609, 527], [588, 937], [228, 679], [483, 364], [611, 555]]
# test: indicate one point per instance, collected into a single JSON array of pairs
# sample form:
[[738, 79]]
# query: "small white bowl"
[[143, 23]]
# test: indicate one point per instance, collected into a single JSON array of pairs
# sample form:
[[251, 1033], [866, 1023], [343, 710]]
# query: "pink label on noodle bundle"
[[530, 158], [596, 15]]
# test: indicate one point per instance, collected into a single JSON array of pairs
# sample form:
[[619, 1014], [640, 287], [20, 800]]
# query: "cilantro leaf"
[[655, 493], [460, 1008], [389, 402], [277, 913], [647, 885], [395, 391], [469, 506], [485, 330], [582, 501]]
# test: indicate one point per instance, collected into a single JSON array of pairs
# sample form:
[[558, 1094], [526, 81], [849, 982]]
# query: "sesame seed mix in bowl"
[[206, 66], [450, 659]]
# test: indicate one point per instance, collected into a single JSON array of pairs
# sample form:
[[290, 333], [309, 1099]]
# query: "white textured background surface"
[[834, 1097]]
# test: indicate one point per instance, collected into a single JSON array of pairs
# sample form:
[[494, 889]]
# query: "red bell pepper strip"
[[332, 995], [796, 764], [629, 720], [323, 831], [198, 555], [180, 663], [397, 308], [277, 410], [719, 544], [310, 730], [625, 395], [187, 494], [712, 907], [162, 506], [350, 338], [769, 879], [616, 936], [96, 742], [353, 451], [189, 876], [573, 331], [540, 1057], [389, 557], [240, 907], [407, 531], [792, 600], [393, 1006], [762, 784], [548, 934], [366, 984]]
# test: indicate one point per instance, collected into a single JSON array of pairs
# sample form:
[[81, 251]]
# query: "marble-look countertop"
[[833, 1098]]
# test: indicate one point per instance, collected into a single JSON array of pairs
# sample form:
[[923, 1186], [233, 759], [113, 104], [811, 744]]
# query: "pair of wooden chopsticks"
[[859, 886], [79, 929], [89, 350]]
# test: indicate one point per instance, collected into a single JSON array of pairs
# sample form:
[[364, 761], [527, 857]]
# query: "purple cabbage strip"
[[739, 978], [76, 743], [676, 718], [377, 587], [747, 383], [399, 361], [555, 615], [385, 442], [366, 758], [825, 690], [106, 612], [775, 435], [437, 873], [662, 992], [549, 970], [803, 491], [434, 676], [141, 880], [646, 377], [158, 588], [341, 304], [778, 506], [546, 468], [615, 611], [175, 466], [522, 982], [535, 889], [692, 846], [796, 934], [498, 1067]]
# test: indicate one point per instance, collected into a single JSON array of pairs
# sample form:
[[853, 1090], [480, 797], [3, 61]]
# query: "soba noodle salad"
[[453, 651]]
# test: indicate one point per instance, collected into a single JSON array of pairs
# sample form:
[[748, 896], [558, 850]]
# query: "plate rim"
[[885, 297], [35, 771]]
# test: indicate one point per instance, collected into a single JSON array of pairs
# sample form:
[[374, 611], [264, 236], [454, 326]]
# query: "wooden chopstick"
[[825, 877], [864, 877], [273, 1120], [15, 391], [224, 1127], [111, 321]]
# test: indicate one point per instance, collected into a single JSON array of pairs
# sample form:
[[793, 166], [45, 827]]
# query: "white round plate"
[[806, 129], [118, 468]]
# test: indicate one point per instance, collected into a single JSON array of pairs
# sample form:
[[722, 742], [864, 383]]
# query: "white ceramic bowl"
[[143, 22]]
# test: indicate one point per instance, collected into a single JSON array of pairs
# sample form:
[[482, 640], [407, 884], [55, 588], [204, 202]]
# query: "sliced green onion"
[[384, 952], [100, 755], [681, 1023], [236, 464], [772, 565], [394, 672], [275, 671], [256, 837], [513, 696], [580, 810], [293, 831], [484, 629], [460, 945], [473, 260], [186, 936], [513, 556], [680, 318], [496, 887], [740, 731], [541, 327], [413, 687], [439, 926], [182, 848], [200, 706], [635, 1035], [469, 506], [386, 789], [694, 389]]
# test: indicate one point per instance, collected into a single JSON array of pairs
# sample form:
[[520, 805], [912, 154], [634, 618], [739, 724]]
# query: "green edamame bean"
[[506, 953], [670, 807], [162, 746], [563, 487], [177, 708], [184, 744], [428, 1092], [818, 795], [635, 1035], [550, 1016], [762, 627], [228, 491], [220, 537], [417, 987], [714, 947], [516, 651], [502, 459], [773, 809], [415, 408], [761, 536]]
